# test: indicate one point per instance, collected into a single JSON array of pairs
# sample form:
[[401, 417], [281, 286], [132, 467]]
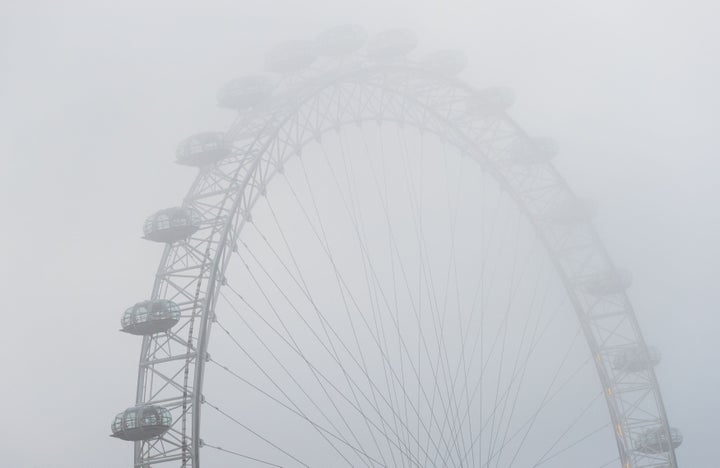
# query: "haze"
[[96, 95]]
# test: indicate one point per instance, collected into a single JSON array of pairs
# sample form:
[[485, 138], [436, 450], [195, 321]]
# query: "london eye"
[[394, 274]]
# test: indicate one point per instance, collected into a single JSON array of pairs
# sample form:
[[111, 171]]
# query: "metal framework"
[[352, 91]]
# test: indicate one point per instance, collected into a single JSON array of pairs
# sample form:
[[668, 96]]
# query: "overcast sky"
[[95, 95]]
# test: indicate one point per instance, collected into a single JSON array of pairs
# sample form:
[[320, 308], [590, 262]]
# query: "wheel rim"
[[268, 137]]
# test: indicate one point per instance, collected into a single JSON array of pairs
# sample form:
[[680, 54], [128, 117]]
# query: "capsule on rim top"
[[290, 56], [341, 40], [245, 92], [447, 62], [394, 43]]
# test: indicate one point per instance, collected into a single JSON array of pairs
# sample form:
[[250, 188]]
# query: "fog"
[[96, 95]]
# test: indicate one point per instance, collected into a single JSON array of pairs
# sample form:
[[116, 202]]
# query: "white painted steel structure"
[[349, 90]]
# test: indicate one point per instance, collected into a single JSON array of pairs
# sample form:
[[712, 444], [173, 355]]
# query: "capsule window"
[[130, 418], [150, 419], [142, 314]]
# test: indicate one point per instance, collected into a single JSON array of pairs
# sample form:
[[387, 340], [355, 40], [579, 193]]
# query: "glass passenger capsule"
[[245, 92], [141, 423], [203, 149], [391, 44], [609, 282], [448, 62], [290, 57], [656, 440], [636, 359], [341, 40], [171, 225], [532, 150], [149, 317]]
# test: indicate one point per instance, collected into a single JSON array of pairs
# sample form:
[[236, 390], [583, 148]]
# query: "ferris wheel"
[[394, 274]]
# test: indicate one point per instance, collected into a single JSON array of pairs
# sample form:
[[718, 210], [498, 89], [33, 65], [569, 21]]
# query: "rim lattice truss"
[[422, 398]]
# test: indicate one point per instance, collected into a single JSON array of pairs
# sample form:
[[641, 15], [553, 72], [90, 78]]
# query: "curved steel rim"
[[264, 141]]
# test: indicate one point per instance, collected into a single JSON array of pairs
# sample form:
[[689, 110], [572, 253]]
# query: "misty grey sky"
[[95, 95]]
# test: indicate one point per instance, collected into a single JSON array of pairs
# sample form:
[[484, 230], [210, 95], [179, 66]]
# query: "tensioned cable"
[[392, 241], [453, 215], [508, 424], [358, 218], [357, 229], [514, 374], [416, 216], [505, 401], [523, 367], [360, 450], [304, 286], [502, 398], [342, 343], [416, 310], [255, 433], [372, 291], [319, 373], [510, 297], [546, 401], [580, 440], [297, 349], [336, 271], [535, 342], [261, 368], [484, 297], [415, 190], [237, 376], [546, 398], [338, 274], [455, 432], [442, 364], [454, 218], [485, 362], [238, 454], [332, 353], [339, 363], [609, 462], [545, 457]]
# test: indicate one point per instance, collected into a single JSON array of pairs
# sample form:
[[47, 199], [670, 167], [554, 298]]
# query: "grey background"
[[94, 96]]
